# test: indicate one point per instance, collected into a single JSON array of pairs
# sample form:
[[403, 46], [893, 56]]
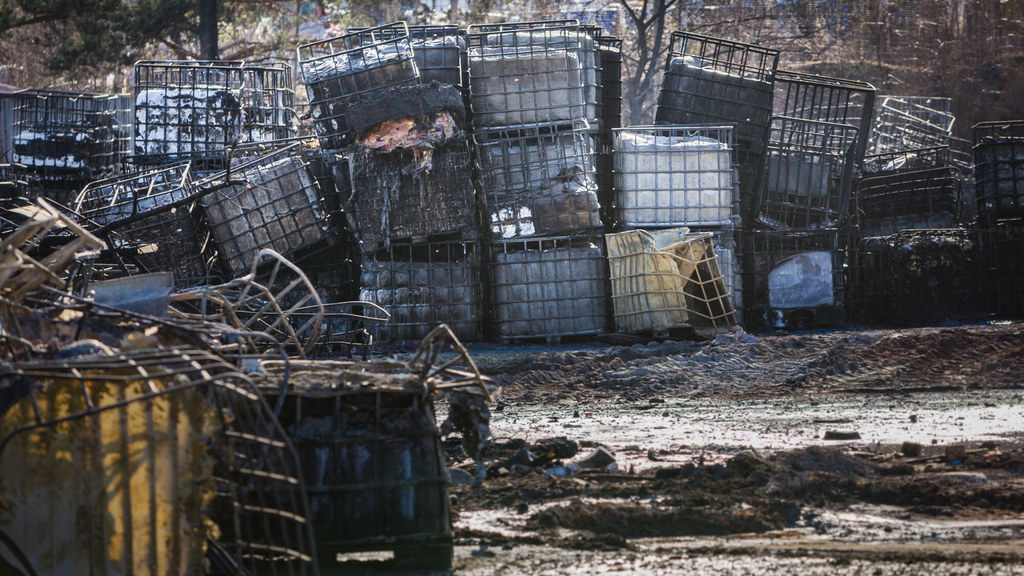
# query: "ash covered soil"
[[849, 452]]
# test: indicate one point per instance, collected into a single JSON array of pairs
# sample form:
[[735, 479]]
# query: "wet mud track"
[[854, 452]]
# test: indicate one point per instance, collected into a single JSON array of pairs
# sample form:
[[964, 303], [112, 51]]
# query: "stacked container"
[[710, 80], [907, 190], [999, 184], [533, 88], [668, 180]]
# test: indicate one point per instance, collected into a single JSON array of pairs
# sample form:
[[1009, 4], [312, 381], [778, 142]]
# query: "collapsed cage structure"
[[169, 238], [187, 110], [910, 122], [714, 81]]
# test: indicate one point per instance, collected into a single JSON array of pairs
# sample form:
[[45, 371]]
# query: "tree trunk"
[[208, 30]]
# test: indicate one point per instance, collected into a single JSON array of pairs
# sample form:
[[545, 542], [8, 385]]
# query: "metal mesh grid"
[[340, 71], [379, 480], [808, 173], [609, 52], [187, 110], [666, 279], [713, 81], [276, 205], [166, 241], [916, 159], [531, 73], [14, 183], [827, 99], [437, 48], [909, 199], [917, 276], [674, 176], [393, 201], [423, 285], [999, 169], [794, 278], [145, 449], [548, 288], [538, 180], [1003, 256], [905, 123], [66, 133]]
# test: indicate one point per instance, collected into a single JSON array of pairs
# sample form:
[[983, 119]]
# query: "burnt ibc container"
[[794, 279], [531, 73], [1002, 251], [65, 139], [372, 464], [714, 81], [907, 198], [343, 70], [274, 204], [425, 284], [169, 239], [548, 288], [999, 170], [826, 99], [438, 50], [538, 180], [411, 170], [809, 170], [918, 277], [196, 110]]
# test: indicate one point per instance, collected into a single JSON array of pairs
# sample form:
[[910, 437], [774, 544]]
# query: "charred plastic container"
[[340, 71], [918, 277], [713, 81], [276, 205], [999, 169], [809, 173], [164, 241], [372, 463], [1002, 249], [438, 49], [538, 180], [423, 285], [794, 279], [530, 73], [65, 139], [675, 176], [411, 170], [548, 288], [903, 196], [187, 110]]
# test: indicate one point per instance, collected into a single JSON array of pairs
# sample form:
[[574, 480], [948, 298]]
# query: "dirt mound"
[[640, 520]]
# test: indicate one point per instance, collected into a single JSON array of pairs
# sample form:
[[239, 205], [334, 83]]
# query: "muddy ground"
[[772, 454]]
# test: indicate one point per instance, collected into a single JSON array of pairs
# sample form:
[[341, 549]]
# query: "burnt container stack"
[[390, 117], [909, 190], [533, 100], [797, 253], [64, 140], [999, 184], [609, 53]]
